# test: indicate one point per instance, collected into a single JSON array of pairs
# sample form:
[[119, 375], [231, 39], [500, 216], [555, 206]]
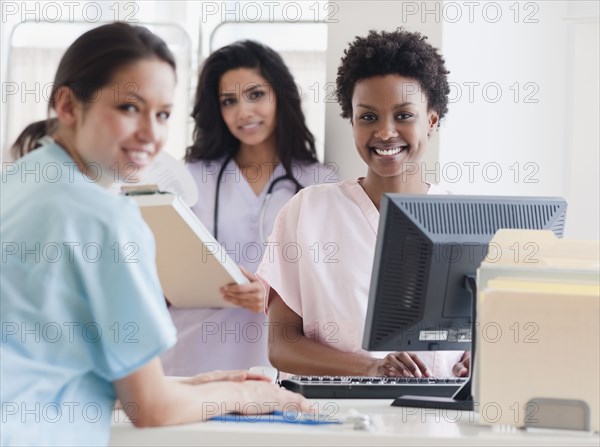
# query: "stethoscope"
[[265, 204]]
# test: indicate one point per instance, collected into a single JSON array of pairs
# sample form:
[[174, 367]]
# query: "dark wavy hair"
[[212, 138], [89, 64], [399, 52]]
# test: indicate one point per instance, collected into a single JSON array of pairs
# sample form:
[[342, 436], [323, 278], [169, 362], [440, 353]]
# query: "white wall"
[[582, 153], [543, 131], [524, 63], [529, 126]]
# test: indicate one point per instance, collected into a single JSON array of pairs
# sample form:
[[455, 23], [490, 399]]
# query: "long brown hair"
[[89, 64], [213, 140]]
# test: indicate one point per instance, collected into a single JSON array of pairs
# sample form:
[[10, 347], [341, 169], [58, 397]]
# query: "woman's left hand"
[[220, 376], [462, 368], [249, 296]]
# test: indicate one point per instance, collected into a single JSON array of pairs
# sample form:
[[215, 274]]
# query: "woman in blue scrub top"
[[252, 152], [83, 315]]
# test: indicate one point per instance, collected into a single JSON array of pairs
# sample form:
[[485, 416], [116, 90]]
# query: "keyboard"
[[340, 387]]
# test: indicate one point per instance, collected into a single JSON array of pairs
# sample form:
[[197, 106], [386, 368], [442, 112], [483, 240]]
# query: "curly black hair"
[[399, 52]]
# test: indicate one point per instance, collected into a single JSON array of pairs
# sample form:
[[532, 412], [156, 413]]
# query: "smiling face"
[[391, 124], [248, 106], [125, 126]]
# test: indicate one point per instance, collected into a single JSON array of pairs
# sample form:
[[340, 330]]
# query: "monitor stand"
[[461, 401], [463, 398]]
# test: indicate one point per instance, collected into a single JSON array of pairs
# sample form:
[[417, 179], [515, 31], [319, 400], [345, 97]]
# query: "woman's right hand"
[[259, 397], [250, 296], [257, 393], [399, 364]]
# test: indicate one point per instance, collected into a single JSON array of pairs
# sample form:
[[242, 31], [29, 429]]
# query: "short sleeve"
[[132, 324], [280, 267]]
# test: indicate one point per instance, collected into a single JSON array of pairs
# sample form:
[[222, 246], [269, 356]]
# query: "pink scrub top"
[[324, 245]]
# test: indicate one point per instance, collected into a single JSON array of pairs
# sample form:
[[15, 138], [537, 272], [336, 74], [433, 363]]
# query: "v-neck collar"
[[246, 189], [364, 202], [367, 206]]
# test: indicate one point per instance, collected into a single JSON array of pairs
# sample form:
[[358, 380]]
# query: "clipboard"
[[192, 265]]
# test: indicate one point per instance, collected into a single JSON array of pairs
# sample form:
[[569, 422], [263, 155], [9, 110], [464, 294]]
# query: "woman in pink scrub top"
[[250, 142], [394, 89]]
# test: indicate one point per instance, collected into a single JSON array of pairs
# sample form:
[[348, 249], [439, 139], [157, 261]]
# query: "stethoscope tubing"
[[264, 205]]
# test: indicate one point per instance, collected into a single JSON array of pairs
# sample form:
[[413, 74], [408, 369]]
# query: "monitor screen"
[[427, 247]]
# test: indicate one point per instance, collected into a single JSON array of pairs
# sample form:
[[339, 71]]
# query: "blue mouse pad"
[[279, 416]]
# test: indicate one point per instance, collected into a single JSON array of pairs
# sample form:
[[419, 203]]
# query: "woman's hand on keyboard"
[[402, 364], [462, 368]]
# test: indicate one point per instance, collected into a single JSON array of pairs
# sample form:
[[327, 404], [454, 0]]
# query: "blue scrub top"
[[81, 303]]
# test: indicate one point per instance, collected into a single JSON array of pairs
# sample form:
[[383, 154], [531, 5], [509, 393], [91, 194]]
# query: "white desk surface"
[[390, 426]]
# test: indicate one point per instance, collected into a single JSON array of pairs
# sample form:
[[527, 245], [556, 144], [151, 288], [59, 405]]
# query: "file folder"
[[537, 358]]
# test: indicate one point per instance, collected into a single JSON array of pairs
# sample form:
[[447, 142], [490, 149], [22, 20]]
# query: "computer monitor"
[[427, 253], [423, 288]]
